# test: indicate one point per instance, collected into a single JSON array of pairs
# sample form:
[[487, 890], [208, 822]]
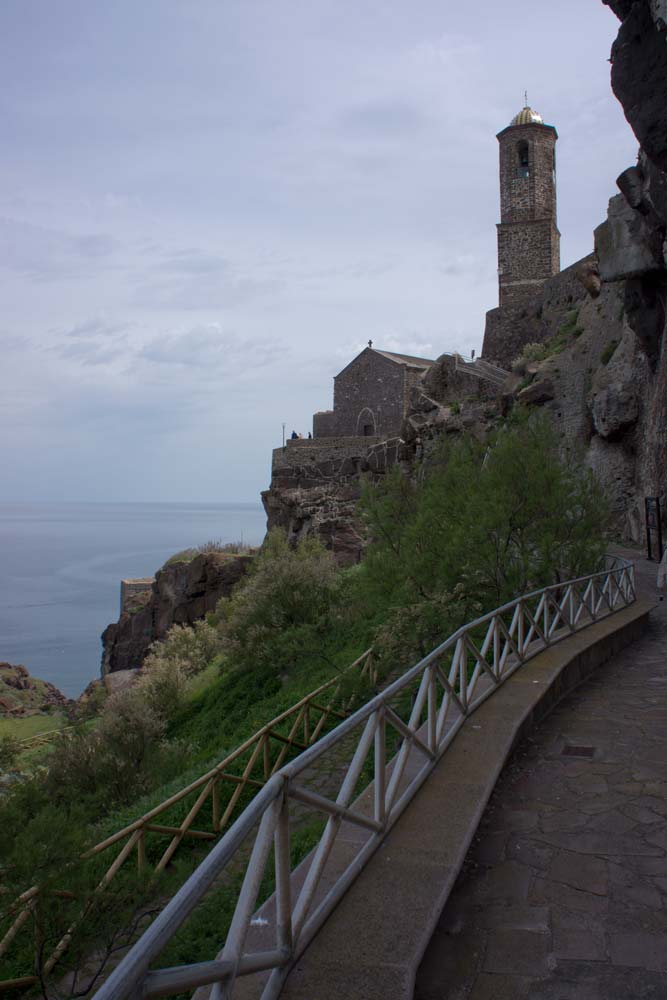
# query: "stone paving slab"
[[563, 894]]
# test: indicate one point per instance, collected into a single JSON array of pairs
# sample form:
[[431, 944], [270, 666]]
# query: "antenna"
[[525, 98]]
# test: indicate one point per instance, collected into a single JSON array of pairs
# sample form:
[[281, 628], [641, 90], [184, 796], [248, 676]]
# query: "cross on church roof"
[[370, 343]]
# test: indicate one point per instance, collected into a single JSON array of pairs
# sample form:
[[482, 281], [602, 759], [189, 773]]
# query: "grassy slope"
[[22, 727]]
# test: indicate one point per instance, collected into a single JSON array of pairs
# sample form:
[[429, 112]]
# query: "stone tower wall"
[[528, 237]]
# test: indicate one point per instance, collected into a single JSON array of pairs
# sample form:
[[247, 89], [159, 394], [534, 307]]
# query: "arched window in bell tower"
[[523, 169]]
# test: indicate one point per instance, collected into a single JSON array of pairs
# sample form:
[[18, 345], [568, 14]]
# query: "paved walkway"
[[563, 895]]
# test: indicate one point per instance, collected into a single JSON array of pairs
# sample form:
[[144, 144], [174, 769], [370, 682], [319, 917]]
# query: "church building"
[[528, 237], [371, 395]]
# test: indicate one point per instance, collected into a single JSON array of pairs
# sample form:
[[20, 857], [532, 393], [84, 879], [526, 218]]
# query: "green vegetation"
[[22, 727], [526, 381], [223, 548], [455, 408], [479, 524], [609, 351], [567, 332]]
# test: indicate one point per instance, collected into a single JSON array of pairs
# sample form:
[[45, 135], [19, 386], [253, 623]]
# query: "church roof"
[[527, 117], [405, 359]]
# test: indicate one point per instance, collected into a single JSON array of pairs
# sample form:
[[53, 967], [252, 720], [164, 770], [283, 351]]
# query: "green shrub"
[[193, 647], [277, 612], [496, 520], [10, 749]]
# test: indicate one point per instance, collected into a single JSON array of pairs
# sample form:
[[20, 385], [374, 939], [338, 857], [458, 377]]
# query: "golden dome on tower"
[[527, 117]]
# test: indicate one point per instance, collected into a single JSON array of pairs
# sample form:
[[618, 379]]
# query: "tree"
[[485, 523]]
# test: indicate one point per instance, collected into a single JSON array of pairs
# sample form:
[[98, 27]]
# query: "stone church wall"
[[369, 392]]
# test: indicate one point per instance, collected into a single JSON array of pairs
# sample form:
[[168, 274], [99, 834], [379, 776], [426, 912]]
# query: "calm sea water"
[[61, 567]]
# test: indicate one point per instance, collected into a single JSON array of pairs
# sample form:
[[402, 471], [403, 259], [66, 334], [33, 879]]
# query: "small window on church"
[[523, 162], [369, 430]]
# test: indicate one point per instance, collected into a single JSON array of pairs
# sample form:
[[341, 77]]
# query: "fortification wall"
[[535, 317], [128, 588], [310, 452]]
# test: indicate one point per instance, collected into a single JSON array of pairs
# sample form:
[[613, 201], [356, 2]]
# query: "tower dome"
[[527, 117]]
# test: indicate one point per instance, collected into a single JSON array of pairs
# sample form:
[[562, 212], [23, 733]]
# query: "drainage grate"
[[577, 751]]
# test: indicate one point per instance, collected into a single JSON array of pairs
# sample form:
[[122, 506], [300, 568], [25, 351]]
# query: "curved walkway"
[[563, 895]]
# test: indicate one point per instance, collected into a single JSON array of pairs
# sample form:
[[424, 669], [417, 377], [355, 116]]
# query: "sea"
[[61, 565]]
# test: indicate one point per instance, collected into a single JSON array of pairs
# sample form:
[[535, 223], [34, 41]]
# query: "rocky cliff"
[[181, 593], [22, 694], [315, 487]]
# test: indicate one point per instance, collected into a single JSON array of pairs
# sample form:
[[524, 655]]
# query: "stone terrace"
[[564, 892]]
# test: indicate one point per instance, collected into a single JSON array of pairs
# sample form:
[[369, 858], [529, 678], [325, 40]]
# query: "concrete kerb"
[[372, 944]]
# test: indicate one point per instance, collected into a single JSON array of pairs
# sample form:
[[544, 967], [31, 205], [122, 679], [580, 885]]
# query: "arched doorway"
[[366, 423]]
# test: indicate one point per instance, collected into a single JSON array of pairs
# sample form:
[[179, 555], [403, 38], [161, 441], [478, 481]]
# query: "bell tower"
[[528, 237]]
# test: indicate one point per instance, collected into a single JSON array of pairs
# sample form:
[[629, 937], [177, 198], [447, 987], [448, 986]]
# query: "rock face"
[[316, 485], [182, 593], [21, 694]]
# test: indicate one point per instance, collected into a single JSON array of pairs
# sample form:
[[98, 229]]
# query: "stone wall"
[[527, 253], [528, 239], [130, 588], [371, 398], [316, 485], [307, 453], [324, 424], [537, 317], [526, 198], [369, 392]]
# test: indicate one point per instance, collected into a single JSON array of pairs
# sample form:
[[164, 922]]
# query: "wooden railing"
[[40, 739], [216, 796]]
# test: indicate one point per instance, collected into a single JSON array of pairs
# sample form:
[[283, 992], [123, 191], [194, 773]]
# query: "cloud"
[[92, 352], [196, 279], [43, 254], [382, 119], [213, 350], [95, 326]]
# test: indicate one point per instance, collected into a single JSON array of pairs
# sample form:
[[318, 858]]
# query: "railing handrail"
[[132, 973]]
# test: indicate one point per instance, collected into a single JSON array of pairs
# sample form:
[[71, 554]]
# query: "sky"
[[208, 207]]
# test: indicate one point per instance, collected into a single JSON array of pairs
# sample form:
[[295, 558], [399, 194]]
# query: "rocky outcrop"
[[22, 694], [181, 594], [639, 72], [316, 485]]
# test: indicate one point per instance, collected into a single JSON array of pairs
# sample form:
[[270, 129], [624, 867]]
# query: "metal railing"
[[481, 369], [400, 734], [212, 800]]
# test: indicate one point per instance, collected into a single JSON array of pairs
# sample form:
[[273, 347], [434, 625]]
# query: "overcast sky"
[[207, 207]]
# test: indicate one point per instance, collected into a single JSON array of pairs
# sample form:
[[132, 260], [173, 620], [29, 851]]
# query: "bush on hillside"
[[278, 610], [111, 762], [192, 646], [486, 523]]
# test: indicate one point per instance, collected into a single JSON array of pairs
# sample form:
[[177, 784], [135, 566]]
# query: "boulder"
[[614, 409], [624, 244], [588, 273], [537, 393]]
